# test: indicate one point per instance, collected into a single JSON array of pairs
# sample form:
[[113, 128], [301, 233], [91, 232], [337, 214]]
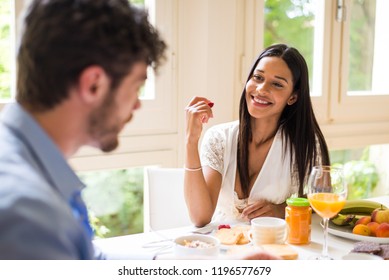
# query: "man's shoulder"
[[20, 175], [10, 142]]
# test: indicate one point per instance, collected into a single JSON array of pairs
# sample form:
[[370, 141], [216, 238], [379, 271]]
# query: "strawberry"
[[224, 226]]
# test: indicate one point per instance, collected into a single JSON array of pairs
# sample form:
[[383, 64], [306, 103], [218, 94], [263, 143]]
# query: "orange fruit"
[[373, 228], [362, 229]]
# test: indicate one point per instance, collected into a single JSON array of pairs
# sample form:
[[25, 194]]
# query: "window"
[[368, 42], [6, 50], [115, 201], [360, 94], [366, 170], [295, 23], [344, 43]]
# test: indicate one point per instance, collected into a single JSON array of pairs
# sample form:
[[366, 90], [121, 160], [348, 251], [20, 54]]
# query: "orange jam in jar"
[[298, 215]]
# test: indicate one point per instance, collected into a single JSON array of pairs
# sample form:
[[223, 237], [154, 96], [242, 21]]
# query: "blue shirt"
[[37, 191]]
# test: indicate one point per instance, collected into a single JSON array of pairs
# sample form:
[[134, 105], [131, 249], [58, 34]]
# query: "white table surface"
[[134, 244]]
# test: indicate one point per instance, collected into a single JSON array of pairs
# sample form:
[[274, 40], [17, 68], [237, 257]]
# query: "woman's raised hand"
[[198, 112]]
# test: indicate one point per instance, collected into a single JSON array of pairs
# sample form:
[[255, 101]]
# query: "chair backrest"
[[164, 199]]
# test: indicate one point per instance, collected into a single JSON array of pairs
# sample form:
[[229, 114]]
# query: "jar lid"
[[297, 201]]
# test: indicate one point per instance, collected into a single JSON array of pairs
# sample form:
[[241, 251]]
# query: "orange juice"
[[327, 205]]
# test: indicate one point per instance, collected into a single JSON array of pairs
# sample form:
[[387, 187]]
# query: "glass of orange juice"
[[327, 193]]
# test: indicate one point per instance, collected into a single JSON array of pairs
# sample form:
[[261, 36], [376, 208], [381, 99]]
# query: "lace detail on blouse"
[[212, 150]]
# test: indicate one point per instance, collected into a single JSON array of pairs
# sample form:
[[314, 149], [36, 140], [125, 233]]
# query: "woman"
[[249, 167]]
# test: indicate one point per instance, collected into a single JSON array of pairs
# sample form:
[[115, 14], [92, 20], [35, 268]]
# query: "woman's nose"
[[263, 88]]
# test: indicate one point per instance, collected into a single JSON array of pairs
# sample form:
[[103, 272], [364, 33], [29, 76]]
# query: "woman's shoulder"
[[225, 128]]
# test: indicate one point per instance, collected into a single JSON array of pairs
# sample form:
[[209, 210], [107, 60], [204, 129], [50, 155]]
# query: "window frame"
[[339, 115], [349, 124], [344, 107]]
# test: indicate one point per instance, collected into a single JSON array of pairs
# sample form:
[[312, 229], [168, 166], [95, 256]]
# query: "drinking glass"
[[327, 193]]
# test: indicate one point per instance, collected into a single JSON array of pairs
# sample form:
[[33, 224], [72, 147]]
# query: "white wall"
[[209, 53]]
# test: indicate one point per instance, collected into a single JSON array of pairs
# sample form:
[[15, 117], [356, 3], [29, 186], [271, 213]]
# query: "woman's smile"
[[260, 101]]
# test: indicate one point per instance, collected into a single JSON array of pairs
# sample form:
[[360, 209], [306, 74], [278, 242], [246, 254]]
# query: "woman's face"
[[270, 89]]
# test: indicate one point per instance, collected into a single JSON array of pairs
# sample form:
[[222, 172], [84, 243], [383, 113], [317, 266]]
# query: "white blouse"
[[274, 182]]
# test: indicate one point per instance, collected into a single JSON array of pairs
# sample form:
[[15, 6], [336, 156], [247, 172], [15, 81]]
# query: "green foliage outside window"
[[5, 49], [115, 201], [291, 22], [362, 27], [361, 174]]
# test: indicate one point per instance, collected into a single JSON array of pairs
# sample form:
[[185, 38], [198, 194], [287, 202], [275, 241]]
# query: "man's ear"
[[292, 99], [93, 84]]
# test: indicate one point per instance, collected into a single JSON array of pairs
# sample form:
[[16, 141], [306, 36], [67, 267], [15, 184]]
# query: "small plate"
[[346, 232]]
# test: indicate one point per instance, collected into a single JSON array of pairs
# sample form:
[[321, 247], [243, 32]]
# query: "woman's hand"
[[198, 111], [263, 208]]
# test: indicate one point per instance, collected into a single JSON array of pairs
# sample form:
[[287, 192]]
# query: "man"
[[81, 64], [80, 67]]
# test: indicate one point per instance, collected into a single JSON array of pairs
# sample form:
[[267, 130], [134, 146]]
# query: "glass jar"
[[298, 215]]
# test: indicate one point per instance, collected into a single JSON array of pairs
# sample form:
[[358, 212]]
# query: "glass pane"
[[369, 42], [147, 92], [298, 24], [115, 201], [5, 49], [360, 169]]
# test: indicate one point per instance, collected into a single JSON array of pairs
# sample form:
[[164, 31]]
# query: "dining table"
[[160, 243]]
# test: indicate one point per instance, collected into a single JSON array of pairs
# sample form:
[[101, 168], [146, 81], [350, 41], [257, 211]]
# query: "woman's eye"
[[257, 78], [278, 85]]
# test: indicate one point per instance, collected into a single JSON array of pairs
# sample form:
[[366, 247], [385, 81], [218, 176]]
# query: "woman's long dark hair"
[[300, 129]]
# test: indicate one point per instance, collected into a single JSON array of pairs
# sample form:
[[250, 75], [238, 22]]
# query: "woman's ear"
[[93, 84], [292, 99]]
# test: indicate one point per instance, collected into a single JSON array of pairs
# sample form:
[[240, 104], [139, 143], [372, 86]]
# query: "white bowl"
[[361, 256], [182, 250]]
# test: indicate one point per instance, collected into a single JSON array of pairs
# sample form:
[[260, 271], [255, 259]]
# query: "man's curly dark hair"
[[63, 37]]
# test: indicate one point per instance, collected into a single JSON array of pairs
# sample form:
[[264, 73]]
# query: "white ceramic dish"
[[346, 232], [180, 250]]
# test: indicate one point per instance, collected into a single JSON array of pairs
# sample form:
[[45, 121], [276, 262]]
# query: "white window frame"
[[353, 121], [347, 121], [345, 107]]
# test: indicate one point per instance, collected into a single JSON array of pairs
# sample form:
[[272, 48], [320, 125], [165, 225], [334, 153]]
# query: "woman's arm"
[[201, 185]]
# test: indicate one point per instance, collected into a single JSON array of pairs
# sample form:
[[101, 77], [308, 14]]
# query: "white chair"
[[164, 201]]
